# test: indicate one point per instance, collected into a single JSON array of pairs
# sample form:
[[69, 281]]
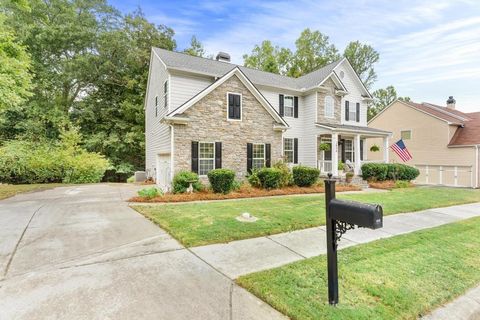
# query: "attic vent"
[[223, 56]]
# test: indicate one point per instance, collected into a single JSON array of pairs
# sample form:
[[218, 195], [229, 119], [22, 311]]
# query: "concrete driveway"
[[81, 253]]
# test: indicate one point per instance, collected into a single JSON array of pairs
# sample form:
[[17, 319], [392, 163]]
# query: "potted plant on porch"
[[348, 177], [324, 146]]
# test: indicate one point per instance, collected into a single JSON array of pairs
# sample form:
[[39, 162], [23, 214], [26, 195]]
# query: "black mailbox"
[[356, 213], [341, 216]]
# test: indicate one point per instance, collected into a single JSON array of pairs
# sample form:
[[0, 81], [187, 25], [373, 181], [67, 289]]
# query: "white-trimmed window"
[[258, 159], [156, 106], [352, 114], [348, 145], [288, 106], [165, 94], [288, 151], [406, 134], [206, 157], [329, 107]]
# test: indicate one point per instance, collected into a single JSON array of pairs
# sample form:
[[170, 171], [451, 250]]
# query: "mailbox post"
[[342, 216]]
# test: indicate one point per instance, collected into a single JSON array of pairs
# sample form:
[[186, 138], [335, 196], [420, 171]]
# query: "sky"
[[429, 50]]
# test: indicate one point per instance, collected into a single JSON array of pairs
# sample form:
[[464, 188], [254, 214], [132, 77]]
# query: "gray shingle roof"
[[185, 62]]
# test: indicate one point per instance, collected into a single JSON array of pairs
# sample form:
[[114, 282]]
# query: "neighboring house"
[[203, 114], [443, 141]]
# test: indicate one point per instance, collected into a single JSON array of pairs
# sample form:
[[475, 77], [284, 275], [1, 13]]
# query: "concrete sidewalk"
[[251, 255], [466, 307]]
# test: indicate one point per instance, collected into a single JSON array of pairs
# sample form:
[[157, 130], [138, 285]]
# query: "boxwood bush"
[[269, 178], [389, 171], [221, 180], [181, 181], [305, 176]]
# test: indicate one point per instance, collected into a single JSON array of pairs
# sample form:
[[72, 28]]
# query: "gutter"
[[477, 147]]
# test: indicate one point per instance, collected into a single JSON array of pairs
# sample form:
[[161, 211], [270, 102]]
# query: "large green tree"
[[111, 117], [196, 48], [61, 37], [381, 99], [362, 58], [269, 58], [313, 51]]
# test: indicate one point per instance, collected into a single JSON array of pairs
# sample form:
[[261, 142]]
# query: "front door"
[[163, 171]]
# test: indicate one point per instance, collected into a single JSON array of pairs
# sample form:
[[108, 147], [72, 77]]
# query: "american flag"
[[402, 151]]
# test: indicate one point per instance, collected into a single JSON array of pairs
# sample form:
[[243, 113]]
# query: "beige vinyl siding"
[[157, 135], [185, 86], [428, 145], [354, 95]]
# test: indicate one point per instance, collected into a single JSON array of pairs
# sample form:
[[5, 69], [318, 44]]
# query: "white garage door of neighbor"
[[163, 171]]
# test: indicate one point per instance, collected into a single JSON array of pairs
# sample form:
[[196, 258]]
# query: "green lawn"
[[397, 278], [9, 190], [196, 224]]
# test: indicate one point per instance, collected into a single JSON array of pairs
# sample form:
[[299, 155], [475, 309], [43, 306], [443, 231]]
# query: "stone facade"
[[208, 123], [330, 86]]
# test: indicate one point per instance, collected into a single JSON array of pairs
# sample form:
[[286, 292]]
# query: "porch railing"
[[325, 166]]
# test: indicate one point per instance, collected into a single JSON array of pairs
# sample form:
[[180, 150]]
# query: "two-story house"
[[203, 114]]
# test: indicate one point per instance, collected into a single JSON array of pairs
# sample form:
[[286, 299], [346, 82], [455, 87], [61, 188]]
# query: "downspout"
[[476, 165], [172, 159]]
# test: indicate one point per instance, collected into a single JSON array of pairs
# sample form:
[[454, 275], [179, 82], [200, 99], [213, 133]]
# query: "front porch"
[[341, 151]]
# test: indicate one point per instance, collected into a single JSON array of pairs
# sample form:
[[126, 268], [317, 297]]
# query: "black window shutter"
[[361, 150], [268, 158], [230, 106], [236, 106], [249, 157], [347, 111], [358, 112], [280, 104], [295, 150], [195, 156], [295, 107], [218, 155]]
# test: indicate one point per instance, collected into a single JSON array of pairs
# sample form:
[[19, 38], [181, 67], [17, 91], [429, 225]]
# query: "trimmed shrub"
[[305, 176], [253, 179], [270, 178], [221, 180], [150, 193], [181, 182], [46, 162], [287, 178], [385, 171], [398, 171]]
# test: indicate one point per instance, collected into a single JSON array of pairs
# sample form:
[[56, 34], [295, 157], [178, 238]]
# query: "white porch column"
[[335, 154], [356, 168], [385, 149]]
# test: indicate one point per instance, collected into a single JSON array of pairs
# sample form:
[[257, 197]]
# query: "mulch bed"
[[244, 192], [386, 185]]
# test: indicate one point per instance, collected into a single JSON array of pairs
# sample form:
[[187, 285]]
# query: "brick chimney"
[[451, 103]]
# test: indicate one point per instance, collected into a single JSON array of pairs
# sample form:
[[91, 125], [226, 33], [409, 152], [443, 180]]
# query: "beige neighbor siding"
[[157, 135], [428, 146], [208, 123]]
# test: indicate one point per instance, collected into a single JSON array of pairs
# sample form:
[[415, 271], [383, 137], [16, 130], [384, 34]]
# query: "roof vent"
[[223, 56], [451, 103]]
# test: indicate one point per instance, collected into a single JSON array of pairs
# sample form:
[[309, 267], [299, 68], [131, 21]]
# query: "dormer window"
[[234, 106], [329, 107]]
